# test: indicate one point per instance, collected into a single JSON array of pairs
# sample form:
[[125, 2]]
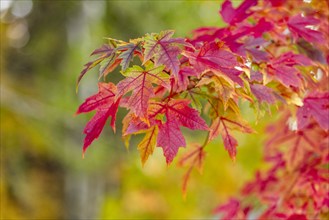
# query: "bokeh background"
[[44, 45]]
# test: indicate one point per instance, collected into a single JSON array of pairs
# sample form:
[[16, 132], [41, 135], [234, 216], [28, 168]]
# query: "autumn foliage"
[[272, 54]]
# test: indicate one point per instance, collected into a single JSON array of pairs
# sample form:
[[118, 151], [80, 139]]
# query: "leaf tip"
[[77, 87], [77, 113]]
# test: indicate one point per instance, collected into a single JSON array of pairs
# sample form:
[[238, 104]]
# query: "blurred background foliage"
[[44, 45]]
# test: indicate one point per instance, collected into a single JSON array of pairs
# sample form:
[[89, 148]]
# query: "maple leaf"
[[230, 209], [291, 59], [170, 138], [105, 52], [182, 81], [102, 100], [316, 105], [133, 125], [164, 49], [147, 145], [252, 46], [230, 144], [214, 129], [263, 93], [128, 54], [283, 68], [212, 57], [233, 16], [140, 82], [194, 159], [105, 105], [285, 74], [223, 86], [261, 27], [222, 125], [177, 113], [296, 216], [95, 126], [311, 51], [300, 27]]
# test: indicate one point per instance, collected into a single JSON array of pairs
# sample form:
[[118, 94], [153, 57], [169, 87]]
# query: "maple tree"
[[272, 53]]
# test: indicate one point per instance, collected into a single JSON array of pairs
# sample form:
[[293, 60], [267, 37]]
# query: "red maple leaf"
[[230, 209], [263, 93], [316, 105], [139, 81], [283, 68], [233, 16], [301, 27], [177, 113], [105, 52], [164, 49], [104, 104], [212, 57]]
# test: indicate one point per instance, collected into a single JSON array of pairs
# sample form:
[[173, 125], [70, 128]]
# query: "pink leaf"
[[262, 93], [164, 49], [139, 81], [291, 59], [316, 105], [170, 138], [212, 57], [95, 126], [230, 209], [299, 26], [285, 74], [177, 113], [233, 16], [103, 99], [186, 116], [230, 144], [103, 103]]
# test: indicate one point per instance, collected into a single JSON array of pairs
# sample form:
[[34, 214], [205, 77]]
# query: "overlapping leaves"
[[175, 81]]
